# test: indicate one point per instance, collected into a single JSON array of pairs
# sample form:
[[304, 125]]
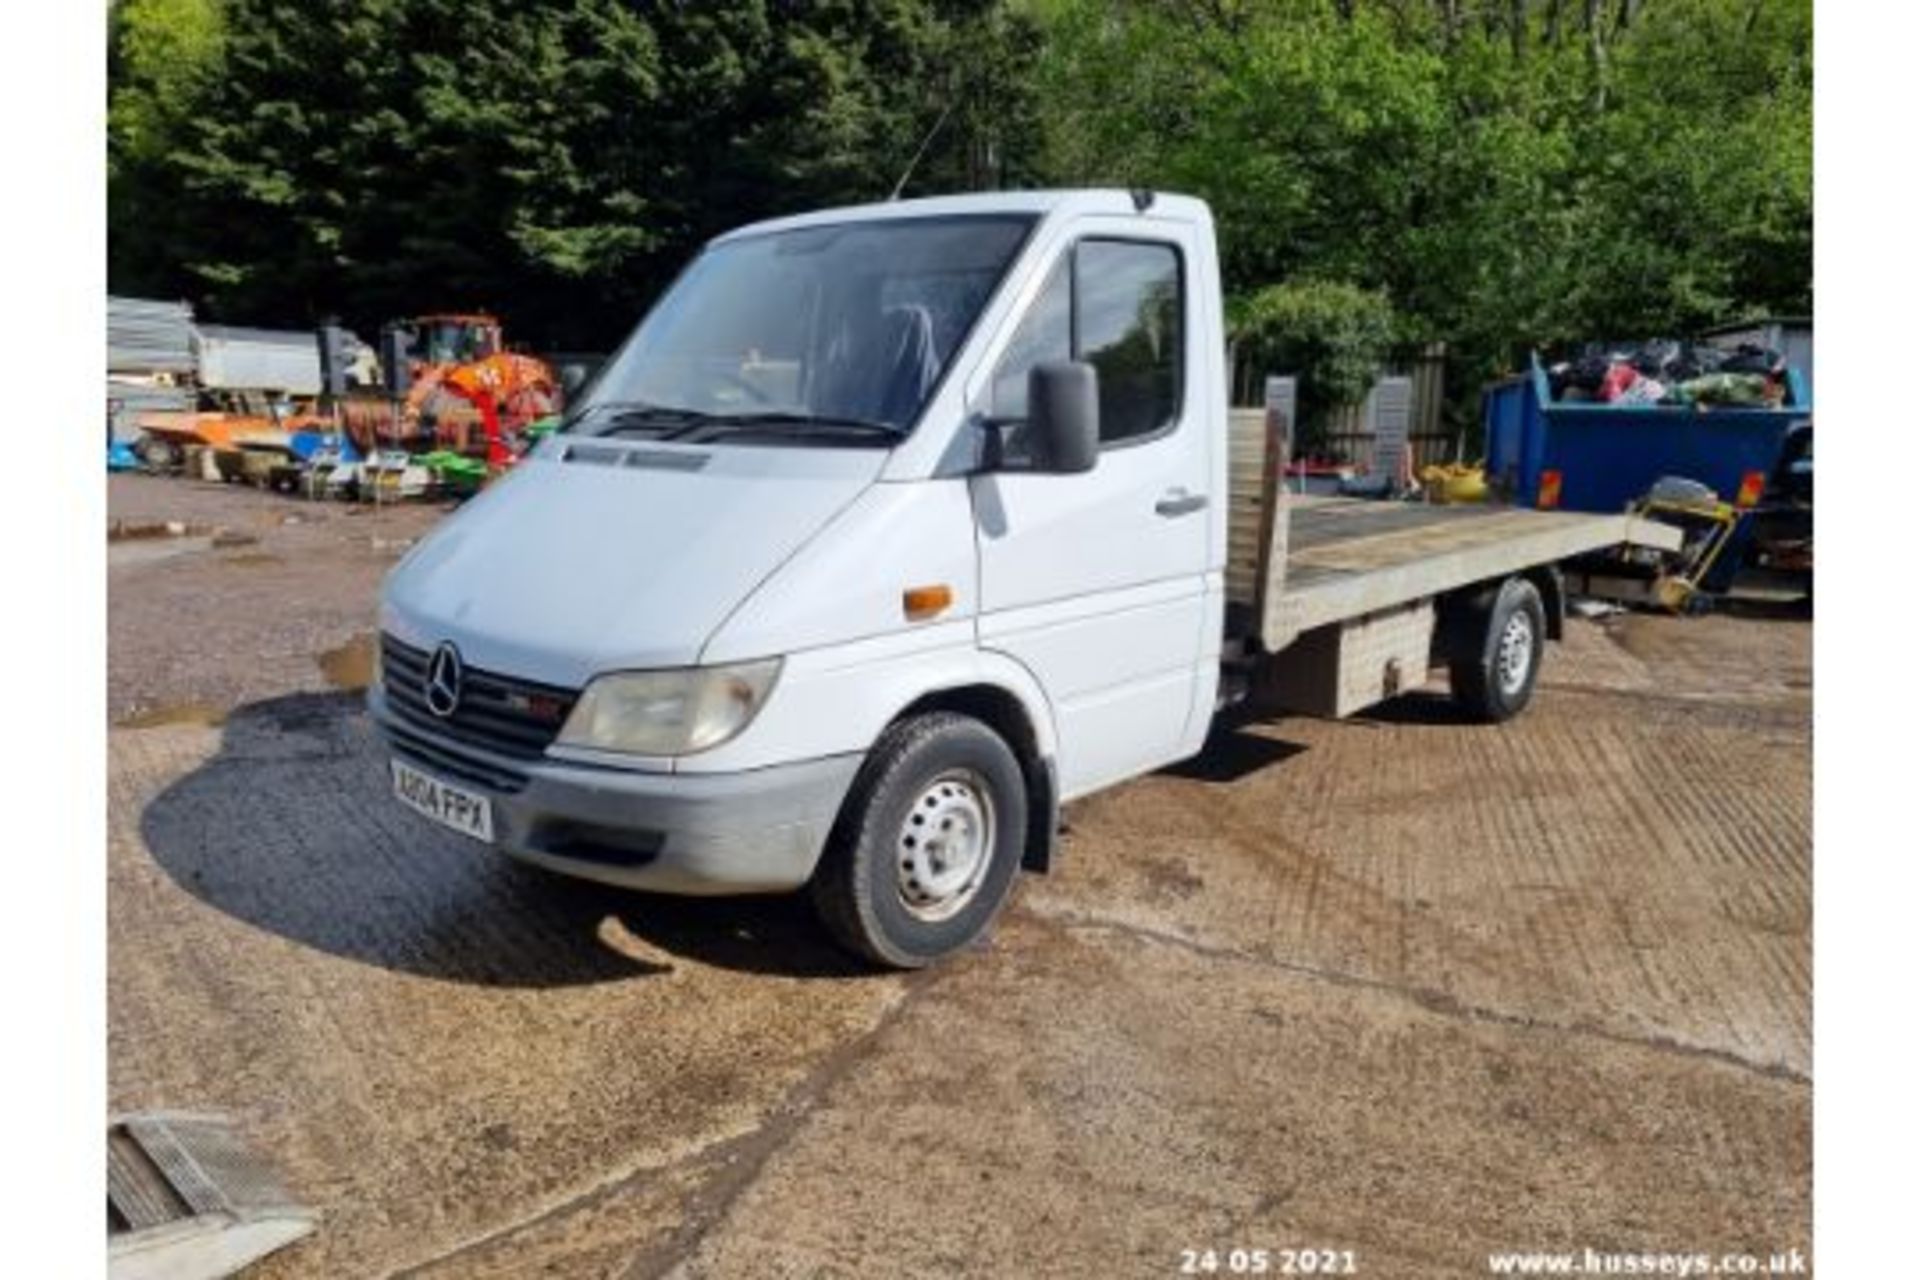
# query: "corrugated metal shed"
[[149, 337]]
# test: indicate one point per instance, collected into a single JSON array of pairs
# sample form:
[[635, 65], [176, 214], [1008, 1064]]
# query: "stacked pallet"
[[149, 362], [149, 337]]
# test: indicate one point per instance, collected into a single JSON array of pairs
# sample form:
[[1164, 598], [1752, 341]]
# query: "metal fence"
[[1345, 434], [1347, 437]]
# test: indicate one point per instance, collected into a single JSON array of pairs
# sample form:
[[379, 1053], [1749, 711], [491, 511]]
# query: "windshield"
[[848, 325], [456, 342]]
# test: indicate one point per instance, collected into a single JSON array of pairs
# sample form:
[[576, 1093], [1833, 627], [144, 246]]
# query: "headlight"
[[669, 713]]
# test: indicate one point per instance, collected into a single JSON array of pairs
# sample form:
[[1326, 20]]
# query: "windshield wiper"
[[628, 415], [785, 424]]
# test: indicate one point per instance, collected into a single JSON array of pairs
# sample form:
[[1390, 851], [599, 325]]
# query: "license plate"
[[446, 804]]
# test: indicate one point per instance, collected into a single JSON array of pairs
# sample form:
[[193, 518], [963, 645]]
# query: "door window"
[[1116, 304]]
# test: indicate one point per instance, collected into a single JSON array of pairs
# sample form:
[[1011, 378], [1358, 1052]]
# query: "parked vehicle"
[[1783, 522], [889, 530], [461, 391]]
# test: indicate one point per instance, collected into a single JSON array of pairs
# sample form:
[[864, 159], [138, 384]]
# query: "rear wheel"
[[927, 844], [1508, 629]]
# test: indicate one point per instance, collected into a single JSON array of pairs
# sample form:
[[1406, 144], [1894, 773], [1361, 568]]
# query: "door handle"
[[1178, 502]]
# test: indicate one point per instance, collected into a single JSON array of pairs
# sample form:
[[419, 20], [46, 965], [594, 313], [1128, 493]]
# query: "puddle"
[[251, 559], [143, 550], [351, 665], [203, 713]]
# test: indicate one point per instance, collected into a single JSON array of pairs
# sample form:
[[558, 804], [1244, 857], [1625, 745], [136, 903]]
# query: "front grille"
[[450, 762], [496, 713]]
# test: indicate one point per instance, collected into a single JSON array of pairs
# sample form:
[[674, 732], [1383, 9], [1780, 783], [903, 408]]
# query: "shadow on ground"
[[1422, 707], [289, 827], [1234, 750], [1765, 609]]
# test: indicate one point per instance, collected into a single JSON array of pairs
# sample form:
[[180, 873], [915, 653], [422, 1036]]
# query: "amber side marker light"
[[1548, 496], [1752, 485], [920, 603]]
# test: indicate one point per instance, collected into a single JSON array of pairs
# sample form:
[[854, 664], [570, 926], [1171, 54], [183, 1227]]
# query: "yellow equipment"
[[1455, 482]]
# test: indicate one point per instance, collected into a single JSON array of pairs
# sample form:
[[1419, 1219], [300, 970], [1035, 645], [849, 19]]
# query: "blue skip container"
[[1584, 456]]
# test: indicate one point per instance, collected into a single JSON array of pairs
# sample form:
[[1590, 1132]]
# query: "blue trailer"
[[1586, 456]]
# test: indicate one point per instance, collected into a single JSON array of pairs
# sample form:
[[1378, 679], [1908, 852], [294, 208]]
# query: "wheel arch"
[[1551, 584], [1007, 714], [1459, 614]]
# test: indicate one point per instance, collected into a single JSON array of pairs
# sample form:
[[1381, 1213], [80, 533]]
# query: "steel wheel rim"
[[1515, 654], [945, 845]]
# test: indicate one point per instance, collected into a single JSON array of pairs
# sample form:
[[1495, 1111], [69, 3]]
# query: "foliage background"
[[1494, 173]]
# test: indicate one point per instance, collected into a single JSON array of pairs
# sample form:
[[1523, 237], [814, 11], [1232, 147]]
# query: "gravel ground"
[[250, 594], [1396, 985]]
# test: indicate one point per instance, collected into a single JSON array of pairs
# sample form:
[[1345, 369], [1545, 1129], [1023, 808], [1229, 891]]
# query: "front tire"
[[1509, 630], [927, 844], [157, 454]]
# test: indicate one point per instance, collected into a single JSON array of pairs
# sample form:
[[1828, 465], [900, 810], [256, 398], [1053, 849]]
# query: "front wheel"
[[158, 454], [1509, 631], [927, 843]]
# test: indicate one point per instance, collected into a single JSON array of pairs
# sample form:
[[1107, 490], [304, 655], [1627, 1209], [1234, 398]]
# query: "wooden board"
[[1252, 475]]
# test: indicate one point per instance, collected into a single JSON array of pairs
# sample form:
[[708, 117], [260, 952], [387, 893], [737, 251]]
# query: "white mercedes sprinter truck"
[[889, 530]]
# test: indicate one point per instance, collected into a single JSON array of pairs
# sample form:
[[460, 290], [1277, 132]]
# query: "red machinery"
[[459, 376]]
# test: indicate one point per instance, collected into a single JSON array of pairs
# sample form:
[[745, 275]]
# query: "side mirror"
[[1063, 417]]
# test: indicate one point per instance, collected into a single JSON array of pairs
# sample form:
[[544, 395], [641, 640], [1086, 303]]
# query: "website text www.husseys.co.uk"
[[1592, 1262]]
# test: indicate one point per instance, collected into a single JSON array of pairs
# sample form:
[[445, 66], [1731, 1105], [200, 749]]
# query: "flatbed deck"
[[1336, 559]]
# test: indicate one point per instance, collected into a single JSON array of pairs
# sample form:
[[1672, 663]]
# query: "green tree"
[[554, 161], [161, 56], [1501, 174], [1337, 335], [1504, 174]]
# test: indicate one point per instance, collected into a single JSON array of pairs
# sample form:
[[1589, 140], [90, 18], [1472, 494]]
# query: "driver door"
[[1097, 582]]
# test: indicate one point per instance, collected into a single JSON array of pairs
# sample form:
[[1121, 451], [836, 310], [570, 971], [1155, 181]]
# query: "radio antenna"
[[924, 144]]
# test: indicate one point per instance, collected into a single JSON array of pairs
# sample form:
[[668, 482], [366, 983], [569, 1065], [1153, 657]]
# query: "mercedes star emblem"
[[443, 681]]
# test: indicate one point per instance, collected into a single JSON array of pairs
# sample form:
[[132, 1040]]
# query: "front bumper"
[[757, 831]]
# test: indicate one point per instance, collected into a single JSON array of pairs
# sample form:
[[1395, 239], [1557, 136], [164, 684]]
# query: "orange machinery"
[[460, 376], [169, 433]]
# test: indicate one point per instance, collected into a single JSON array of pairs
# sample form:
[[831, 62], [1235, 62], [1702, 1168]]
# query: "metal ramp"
[[187, 1200]]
